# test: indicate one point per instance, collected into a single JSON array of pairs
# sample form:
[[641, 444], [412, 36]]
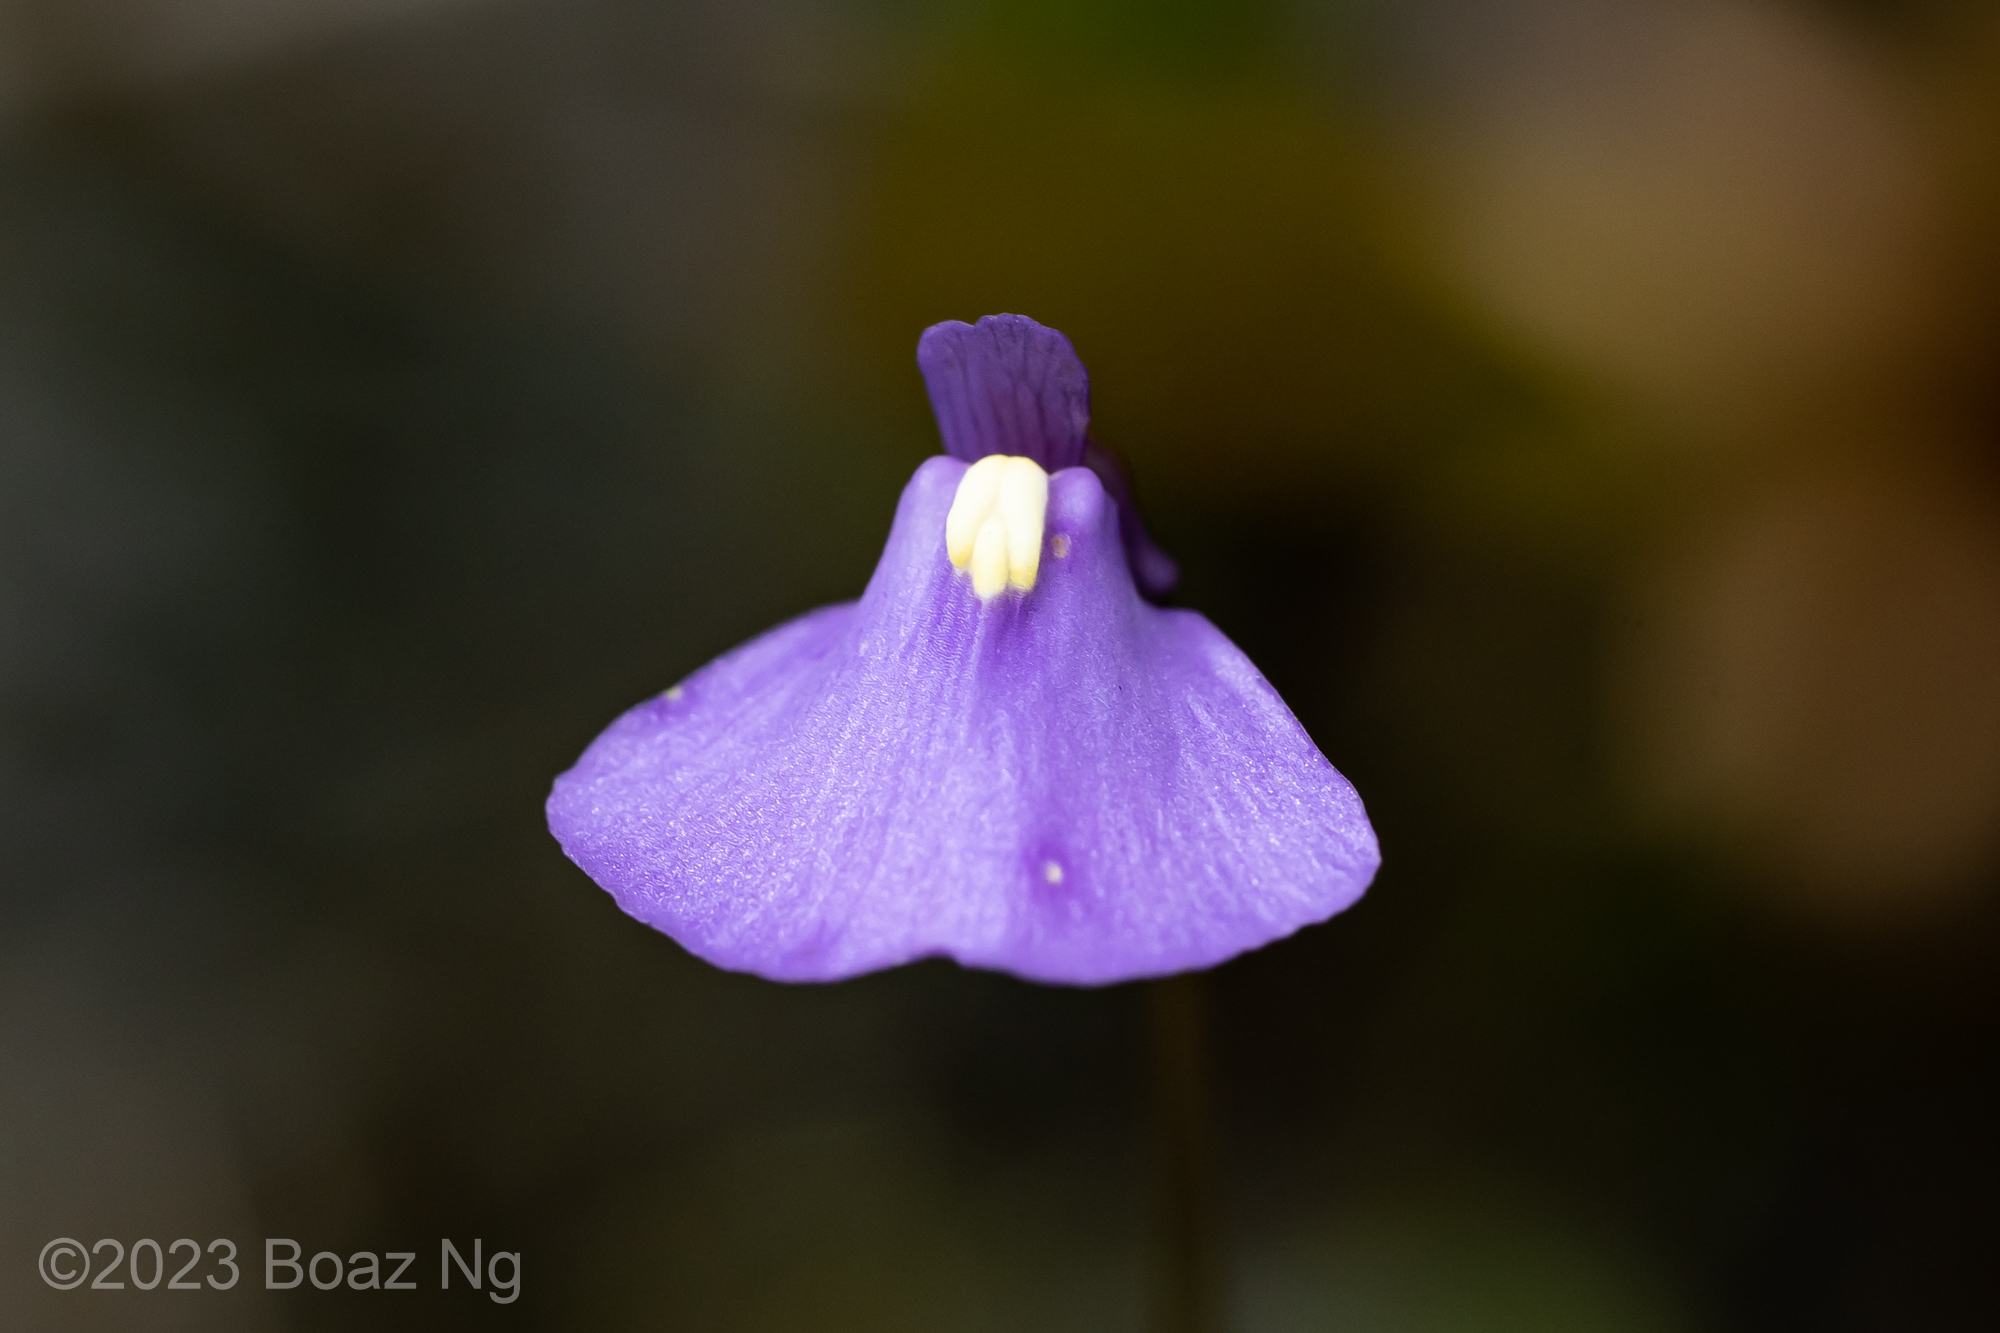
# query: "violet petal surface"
[[1070, 784]]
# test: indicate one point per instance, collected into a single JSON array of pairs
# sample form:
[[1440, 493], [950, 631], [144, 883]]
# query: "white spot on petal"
[[1052, 872]]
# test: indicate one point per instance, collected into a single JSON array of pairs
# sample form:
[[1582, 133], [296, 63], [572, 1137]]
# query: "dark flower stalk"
[[1001, 754]]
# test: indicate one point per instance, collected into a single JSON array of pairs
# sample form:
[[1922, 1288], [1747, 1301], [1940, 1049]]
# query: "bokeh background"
[[1583, 410]]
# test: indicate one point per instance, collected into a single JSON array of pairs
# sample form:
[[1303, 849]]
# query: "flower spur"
[[1001, 754]]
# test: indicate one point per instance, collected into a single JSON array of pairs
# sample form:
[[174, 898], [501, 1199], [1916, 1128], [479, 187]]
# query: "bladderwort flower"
[[1002, 754]]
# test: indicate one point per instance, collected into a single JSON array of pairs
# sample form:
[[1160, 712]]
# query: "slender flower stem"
[[1187, 1283]]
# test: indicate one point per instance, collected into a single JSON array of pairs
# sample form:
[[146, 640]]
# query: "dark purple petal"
[[1068, 784], [1153, 569], [1006, 385]]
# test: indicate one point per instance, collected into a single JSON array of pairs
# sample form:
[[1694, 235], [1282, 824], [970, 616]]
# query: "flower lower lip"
[[809, 809]]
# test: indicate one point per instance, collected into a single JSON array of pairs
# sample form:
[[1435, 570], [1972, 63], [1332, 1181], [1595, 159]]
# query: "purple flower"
[[1000, 754]]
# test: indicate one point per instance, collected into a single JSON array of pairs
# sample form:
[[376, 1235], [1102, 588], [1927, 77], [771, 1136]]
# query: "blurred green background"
[[1584, 412]]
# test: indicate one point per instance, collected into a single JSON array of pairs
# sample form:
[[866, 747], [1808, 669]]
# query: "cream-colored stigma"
[[995, 524]]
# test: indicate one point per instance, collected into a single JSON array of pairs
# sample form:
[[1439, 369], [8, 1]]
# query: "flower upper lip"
[[1006, 385]]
